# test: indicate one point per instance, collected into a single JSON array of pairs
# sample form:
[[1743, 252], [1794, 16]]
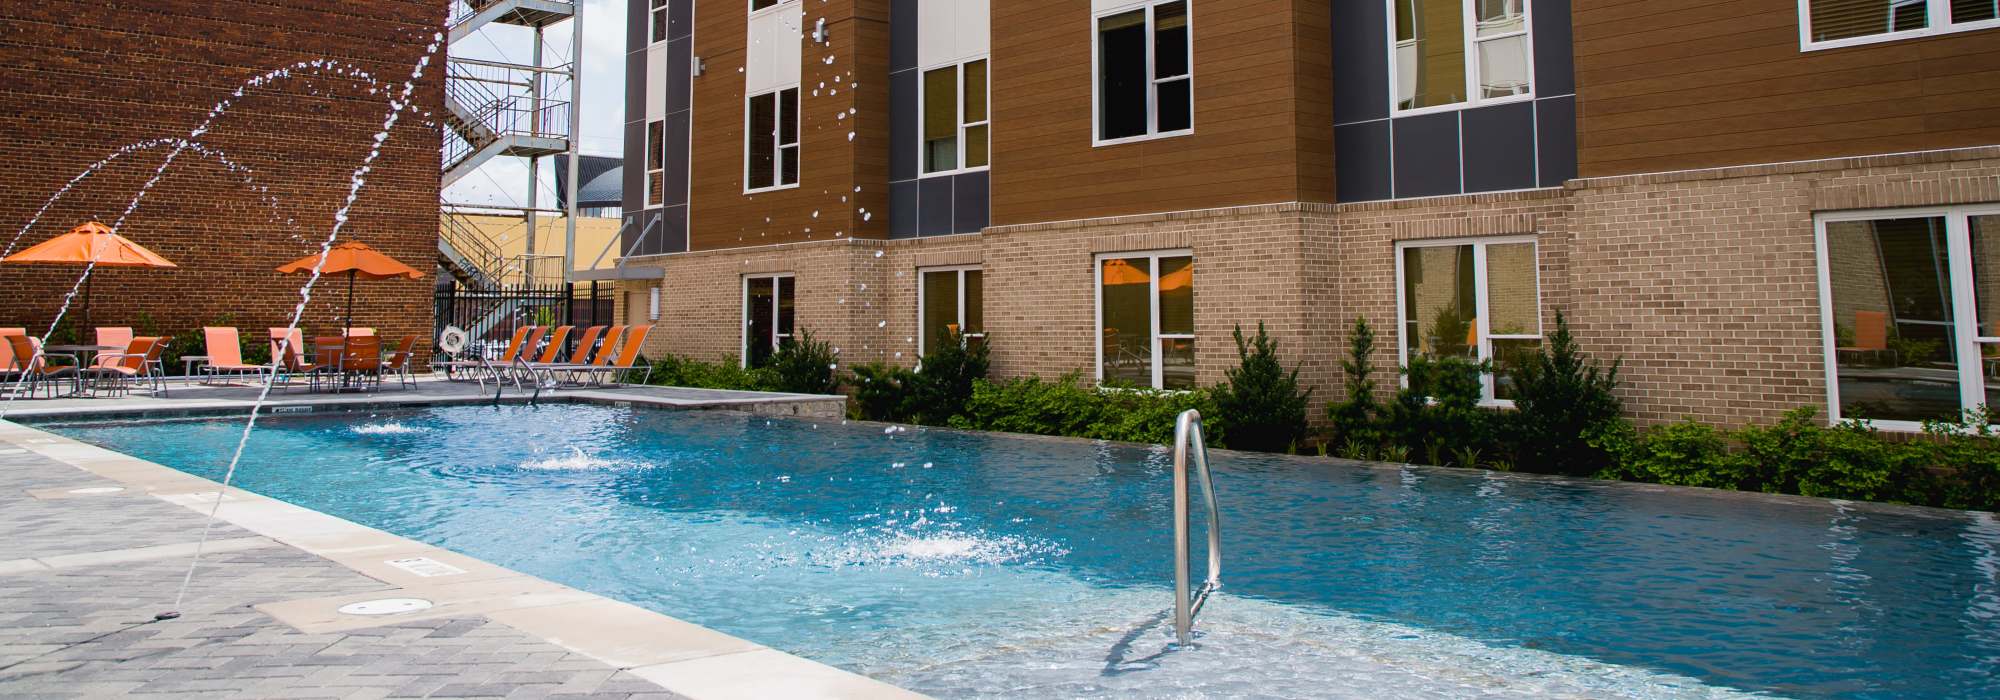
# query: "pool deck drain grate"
[[83, 574]]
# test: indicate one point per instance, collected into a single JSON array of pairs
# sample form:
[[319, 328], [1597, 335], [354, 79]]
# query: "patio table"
[[83, 355]]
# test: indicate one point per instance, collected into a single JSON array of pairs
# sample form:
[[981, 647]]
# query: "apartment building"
[[1757, 205]]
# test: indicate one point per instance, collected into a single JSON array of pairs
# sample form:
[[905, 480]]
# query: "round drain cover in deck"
[[385, 606]]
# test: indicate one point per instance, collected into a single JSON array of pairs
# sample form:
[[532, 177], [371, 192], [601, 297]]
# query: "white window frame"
[[656, 166], [655, 19], [1474, 97], [923, 338], [1966, 340], [751, 5], [1153, 81], [963, 126], [1482, 323], [1937, 20], [777, 302], [1153, 300], [777, 149]]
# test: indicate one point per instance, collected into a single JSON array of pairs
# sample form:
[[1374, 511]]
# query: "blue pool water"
[[970, 565]]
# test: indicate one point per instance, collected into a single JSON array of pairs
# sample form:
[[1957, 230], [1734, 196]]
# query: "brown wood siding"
[[1679, 84], [1247, 142], [720, 214]]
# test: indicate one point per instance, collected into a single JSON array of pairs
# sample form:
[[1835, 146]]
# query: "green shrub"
[[1437, 412], [880, 392], [943, 380], [1356, 422], [803, 365], [1266, 410], [1963, 469], [1559, 398], [1851, 460], [1678, 454], [1066, 407], [1149, 416], [675, 370]]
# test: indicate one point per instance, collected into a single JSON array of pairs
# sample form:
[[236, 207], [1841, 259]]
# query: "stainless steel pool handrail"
[[1188, 438]]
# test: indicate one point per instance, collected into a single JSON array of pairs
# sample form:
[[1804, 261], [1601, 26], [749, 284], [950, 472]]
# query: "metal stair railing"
[[1188, 439], [473, 246]]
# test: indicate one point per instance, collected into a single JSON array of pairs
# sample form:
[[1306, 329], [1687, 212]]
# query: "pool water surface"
[[976, 565]]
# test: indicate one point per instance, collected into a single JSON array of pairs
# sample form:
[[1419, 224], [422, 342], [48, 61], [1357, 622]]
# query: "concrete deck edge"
[[679, 656], [766, 404]]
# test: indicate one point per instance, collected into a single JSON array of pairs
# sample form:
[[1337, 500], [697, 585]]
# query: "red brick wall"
[[82, 78]]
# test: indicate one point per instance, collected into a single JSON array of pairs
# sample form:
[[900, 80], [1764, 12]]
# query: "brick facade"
[[1704, 282], [82, 79]]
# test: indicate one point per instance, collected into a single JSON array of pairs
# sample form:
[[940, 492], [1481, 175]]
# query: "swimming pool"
[[975, 565]]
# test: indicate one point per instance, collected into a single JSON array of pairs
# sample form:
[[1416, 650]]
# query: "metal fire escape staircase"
[[497, 109]]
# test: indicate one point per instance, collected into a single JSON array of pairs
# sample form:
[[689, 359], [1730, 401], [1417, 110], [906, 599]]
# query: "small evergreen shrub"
[[1437, 413], [1964, 466], [943, 380], [1559, 398], [880, 392], [675, 370], [1266, 410], [1679, 454], [804, 365], [1356, 422], [1849, 460]]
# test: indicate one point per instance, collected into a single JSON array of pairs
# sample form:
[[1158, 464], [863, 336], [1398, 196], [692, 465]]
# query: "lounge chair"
[[399, 361], [31, 369], [622, 368], [288, 352], [112, 336], [474, 366], [225, 353], [139, 363], [584, 361], [551, 363]]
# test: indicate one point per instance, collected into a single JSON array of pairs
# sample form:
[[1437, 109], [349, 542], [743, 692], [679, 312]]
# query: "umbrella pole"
[[86, 304], [350, 305]]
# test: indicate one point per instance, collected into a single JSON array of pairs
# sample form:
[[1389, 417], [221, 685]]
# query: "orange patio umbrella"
[[359, 262], [91, 242]]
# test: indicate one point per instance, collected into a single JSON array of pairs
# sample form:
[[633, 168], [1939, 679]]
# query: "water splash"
[[575, 461], [391, 428]]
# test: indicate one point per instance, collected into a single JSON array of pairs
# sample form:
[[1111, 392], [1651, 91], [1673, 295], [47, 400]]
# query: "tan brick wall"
[[1703, 282]]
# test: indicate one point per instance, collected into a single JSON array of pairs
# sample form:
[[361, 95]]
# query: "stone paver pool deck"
[[94, 543]]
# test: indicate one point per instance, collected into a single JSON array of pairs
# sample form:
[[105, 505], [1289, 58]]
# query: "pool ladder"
[[1188, 439]]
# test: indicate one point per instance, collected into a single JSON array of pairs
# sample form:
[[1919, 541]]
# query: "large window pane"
[[1126, 288], [1170, 40], [761, 322], [787, 308], [975, 113], [1510, 290], [940, 308], [1177, 363], [1844, 19], [1177, 296], [941, 119], [1430, 53], [975, 302], [1503, 66], [763, 149], [1122, 76], [1176, 105], [1963, 11], [1508, 355], [1892, 319], [1439, 300], [1985, 238]]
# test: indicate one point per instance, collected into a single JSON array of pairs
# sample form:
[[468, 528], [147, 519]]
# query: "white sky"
[[503, 181]]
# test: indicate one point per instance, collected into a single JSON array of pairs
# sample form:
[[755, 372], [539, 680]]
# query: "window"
[[1145, 78], [954, 119], [1476, 300], [656, 164], [773, 134], [768, 316], [659, 17], [1910, 303], [1826, 24], [1145, 313], [756, 5], [1460, 52], [949, 302]]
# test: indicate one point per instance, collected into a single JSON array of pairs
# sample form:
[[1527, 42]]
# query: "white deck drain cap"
[[94, 490], [385, 606]]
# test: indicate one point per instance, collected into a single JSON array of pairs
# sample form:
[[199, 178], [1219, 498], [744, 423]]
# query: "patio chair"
[[399, 361], [288, 352], [622, 367], [225, 353], [361, 360], [7, 351], [31, 369], [115, 336], [139, 363], [359, 331], [551, 363]]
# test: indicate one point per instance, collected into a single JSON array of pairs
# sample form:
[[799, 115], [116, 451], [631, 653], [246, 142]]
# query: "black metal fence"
[[490, 316]]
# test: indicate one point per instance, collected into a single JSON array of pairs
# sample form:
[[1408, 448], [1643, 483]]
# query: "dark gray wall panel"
[[636, 236], [1361, 60], [635, 177], [635, 25], [1555, 72], [673, 233], [934, 206], [635, 86], [903, 125], [680, 19], [970, 207], [678, 78], [1555, 119], [1426, 154], [675, 127], [1499, 150], [903, 209], [1361, 161], [902, 34]]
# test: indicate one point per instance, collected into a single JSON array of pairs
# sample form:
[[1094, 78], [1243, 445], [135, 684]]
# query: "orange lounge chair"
[[580, 366], [288, 350], [628, 353], [225, 353], [112, 336], [139, 363], [30, 368]]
